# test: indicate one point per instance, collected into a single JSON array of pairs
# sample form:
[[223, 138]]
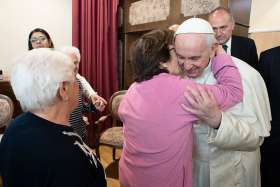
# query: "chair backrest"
[[6, 110], [114, 103]]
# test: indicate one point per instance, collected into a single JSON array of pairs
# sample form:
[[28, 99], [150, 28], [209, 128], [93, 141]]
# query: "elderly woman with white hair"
[[39, 148], [85, 90]]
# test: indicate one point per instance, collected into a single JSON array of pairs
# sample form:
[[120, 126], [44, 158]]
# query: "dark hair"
[[148, 52], [42, 31]]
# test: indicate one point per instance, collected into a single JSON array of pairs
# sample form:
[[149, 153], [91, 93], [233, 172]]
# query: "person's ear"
[[63, 91], [163, 65], [232, 25]]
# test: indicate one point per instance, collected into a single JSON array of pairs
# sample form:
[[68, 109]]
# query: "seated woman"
[[39, 148], [76, 120], [158, 136]]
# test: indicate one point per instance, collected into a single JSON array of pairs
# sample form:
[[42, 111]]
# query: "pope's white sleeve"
[[235, 134], [244, 126]]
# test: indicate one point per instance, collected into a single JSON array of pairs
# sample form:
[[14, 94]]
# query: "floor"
[[110, 166]]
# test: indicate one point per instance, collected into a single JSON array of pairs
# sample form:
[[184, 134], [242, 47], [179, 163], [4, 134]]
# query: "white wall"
[[265, 24], [265, 16], [19, 17]]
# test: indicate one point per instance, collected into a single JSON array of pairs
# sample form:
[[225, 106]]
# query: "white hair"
[[211, 40], [68, 50], [36, 77]]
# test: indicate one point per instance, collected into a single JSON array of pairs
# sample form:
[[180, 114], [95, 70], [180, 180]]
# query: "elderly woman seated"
[[39, 148]]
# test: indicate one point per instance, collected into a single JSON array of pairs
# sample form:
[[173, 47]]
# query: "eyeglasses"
[[35, 39], [170, 49]]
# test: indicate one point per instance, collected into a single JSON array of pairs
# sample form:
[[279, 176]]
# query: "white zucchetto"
[[195, 25]]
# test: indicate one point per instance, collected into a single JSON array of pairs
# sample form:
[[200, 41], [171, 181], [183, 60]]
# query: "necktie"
[[225, 47]]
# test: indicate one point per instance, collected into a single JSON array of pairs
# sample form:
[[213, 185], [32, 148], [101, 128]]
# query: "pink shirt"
[[158, 136]]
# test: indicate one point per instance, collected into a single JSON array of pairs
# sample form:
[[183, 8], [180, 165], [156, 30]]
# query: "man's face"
[[193, 53], [222, 25]]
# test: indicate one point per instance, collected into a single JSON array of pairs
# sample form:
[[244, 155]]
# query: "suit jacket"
[[269, 68], [244, 49]]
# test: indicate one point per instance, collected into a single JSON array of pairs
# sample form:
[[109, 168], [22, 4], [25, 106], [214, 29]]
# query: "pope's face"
[[193, 53]]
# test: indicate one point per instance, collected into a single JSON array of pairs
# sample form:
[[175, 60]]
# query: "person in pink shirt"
[[158, 135]]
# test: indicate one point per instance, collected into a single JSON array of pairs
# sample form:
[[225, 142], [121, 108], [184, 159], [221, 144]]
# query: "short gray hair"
[[36, 77], [210, 38], [68, 50]]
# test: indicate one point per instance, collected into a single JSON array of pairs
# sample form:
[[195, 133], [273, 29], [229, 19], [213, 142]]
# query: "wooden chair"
[[113, 136], [6, 112]]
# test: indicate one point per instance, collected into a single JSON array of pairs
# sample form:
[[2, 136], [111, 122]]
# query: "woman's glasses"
[[35, 39]]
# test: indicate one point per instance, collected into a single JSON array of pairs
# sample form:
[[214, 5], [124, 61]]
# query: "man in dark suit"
[[240, 47], [269, 68]]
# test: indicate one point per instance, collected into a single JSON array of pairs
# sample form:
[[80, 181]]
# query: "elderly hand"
[[220, 50], [202, 103], [98, 102]]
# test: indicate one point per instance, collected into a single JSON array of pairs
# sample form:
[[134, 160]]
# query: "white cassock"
[[230, 156]]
